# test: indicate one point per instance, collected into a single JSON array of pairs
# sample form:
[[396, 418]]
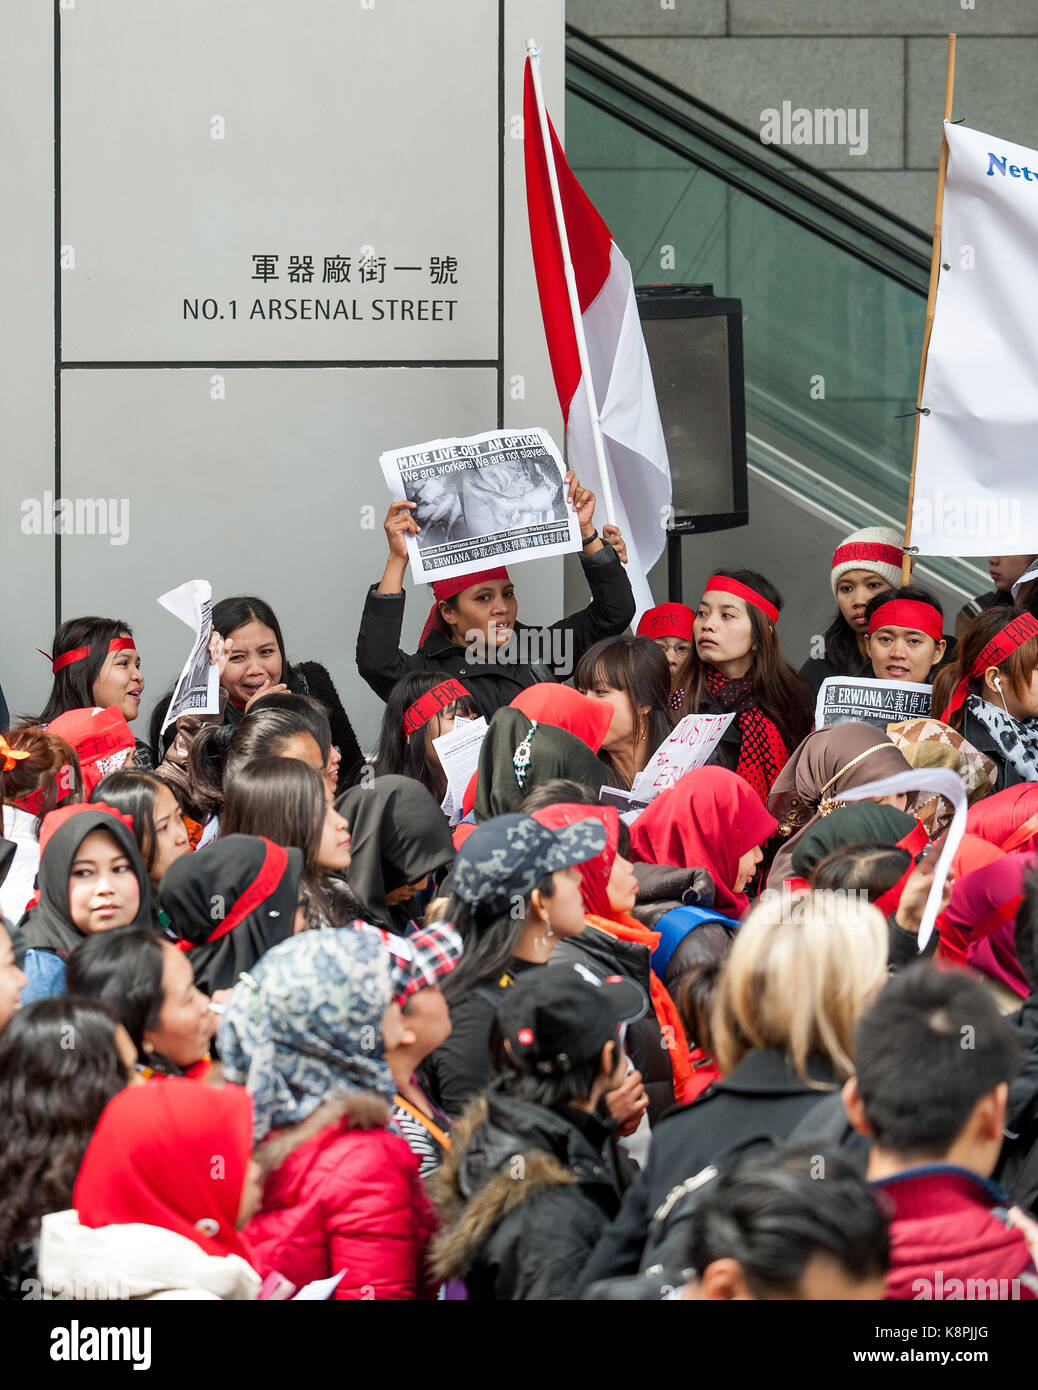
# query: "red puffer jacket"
[[343, 1193], [949, 1238]]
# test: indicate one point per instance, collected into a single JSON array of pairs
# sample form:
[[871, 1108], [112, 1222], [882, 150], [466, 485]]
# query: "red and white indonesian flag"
[[976, 487], [636, 452]]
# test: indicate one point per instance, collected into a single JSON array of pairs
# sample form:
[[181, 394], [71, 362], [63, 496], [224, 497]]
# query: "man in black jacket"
[[530, 1182], [495, 682]]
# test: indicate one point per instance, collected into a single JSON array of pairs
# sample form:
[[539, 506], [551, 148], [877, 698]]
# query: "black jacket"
[[523, 1196], [817, 669], [460, 1068], [493, 684], [645, 1044], [763, 1097]]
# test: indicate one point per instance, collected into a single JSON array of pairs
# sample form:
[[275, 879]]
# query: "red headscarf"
[[594, 873], [981, 901], [707, 820], [448, 588], [1008, 818], [566, 708], [594, 880], [172, 1153]]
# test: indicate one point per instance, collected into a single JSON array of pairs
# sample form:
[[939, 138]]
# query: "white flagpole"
[[533, 52]]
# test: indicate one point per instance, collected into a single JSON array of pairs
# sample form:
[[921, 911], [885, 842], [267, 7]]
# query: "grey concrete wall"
[[887, 56]]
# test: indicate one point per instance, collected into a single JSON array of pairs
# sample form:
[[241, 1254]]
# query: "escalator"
[[833, 287]]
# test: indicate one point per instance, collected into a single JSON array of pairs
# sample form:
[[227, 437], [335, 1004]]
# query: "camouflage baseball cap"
[[507, 856]]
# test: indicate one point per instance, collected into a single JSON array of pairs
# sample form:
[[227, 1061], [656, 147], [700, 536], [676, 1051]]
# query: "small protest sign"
[[458, 752], [490, 499], [849, 699], [690, 745], [198, 689]]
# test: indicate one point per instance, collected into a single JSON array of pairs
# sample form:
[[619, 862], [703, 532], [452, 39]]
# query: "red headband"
[[32, 802], [117, 644], [867, 550], [911, 613], [447, 588], [666, 620], [915, 842], [732, 586], [1014, 635], [416, 716]]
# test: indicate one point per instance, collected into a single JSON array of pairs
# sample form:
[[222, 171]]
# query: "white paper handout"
[[198, 689], [458, 753], [319, 1290], [690, 744], [489, 499], [946, 783]]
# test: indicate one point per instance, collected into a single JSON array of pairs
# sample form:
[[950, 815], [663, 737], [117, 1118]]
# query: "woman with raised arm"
[[473, 610]]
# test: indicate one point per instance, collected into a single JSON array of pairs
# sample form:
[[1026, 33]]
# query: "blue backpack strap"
[[674, 926]]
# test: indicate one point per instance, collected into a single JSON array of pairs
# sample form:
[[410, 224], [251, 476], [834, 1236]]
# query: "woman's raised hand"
[[399, 523], [582, 500]]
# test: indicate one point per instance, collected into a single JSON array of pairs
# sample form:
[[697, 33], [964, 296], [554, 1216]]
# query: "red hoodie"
[[949, 1238]]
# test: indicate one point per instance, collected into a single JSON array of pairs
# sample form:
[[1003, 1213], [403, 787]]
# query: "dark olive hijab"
[[552, 753], [863, 822]]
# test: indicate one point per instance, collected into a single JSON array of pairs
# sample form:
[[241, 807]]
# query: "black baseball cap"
[[560, 1016]]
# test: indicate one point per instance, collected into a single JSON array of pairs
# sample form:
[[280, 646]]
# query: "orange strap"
[[444, 1140], [1021, 834]]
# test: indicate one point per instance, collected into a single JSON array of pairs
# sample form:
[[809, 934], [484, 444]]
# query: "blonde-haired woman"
[[803, 969]]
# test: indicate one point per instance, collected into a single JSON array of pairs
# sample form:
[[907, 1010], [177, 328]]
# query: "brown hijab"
[[827, 762]]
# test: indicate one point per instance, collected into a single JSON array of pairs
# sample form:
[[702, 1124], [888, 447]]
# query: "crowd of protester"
[[279, 1014]]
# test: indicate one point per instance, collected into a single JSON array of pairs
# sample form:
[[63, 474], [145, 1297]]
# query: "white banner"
[[976, 490]]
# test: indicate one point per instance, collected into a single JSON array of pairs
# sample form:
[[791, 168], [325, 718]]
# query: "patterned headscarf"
[[304, 1025]]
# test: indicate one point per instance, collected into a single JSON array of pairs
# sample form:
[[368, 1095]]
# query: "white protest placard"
[[847, 699], [198, 689], [946, 783], [976, 486], [690, 744], [490, 499], [458, 753]]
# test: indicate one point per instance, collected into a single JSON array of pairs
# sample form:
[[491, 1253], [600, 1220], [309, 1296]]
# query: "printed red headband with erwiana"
[[999, 649], [722, 583], [909, 613], [874, 551], [117, 644]]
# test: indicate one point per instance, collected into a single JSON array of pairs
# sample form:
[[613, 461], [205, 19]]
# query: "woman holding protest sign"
[[904, 635], [421, 708], [631, 675], [736, 665], [865, 563], [473, 633]]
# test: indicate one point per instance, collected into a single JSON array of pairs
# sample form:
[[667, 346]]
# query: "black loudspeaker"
[[694, 343]]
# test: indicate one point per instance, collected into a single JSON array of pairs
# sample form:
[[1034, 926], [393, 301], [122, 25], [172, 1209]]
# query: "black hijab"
[[49, 926], [398, 834], [231, 901]]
